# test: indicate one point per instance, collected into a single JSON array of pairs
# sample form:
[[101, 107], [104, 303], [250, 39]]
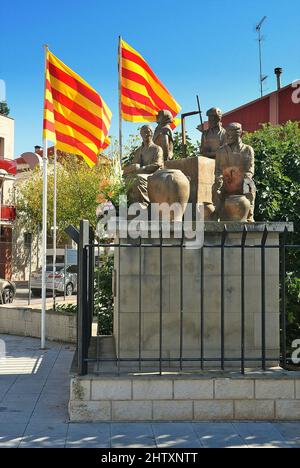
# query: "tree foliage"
[[277, 177], [103, 299], [192, 149], [277, 172], [4, 109], [77, 190]]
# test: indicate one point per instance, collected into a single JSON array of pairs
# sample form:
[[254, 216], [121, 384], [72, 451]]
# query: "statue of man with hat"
[[215, 136], [234, 175]]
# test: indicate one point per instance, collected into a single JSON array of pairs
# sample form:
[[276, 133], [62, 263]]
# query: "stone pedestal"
[[201, 173], [137, 319]]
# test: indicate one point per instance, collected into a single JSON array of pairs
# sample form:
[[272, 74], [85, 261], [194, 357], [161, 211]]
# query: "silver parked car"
[[7, 291], [60, 281]]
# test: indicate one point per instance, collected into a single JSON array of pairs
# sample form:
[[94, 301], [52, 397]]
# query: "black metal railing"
[[97, 362]]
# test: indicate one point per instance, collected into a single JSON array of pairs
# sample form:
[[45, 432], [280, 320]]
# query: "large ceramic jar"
[[169, 186], [236, 208]]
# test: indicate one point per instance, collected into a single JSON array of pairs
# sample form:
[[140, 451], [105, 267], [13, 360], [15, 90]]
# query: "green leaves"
[[277, 172], [191, 148], [4, 109], [277, 177], [77, 190], [103, 299]]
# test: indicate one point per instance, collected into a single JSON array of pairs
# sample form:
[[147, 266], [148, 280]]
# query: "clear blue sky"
[[194, 46]]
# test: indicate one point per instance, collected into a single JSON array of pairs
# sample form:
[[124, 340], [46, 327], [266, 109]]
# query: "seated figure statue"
[[147, 159], [234, 190]]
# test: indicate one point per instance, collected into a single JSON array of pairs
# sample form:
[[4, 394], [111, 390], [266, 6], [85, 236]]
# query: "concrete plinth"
[[140, 315]]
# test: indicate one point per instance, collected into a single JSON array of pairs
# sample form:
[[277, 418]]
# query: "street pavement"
[[34, 393]]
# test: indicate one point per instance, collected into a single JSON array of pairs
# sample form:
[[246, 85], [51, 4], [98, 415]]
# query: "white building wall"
[[7, 127]]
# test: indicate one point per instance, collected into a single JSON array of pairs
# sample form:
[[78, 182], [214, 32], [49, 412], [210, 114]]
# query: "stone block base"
[[272, 396], [201, 173]]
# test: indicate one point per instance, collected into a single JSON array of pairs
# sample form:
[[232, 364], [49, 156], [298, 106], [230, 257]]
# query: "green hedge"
[[277, 177]]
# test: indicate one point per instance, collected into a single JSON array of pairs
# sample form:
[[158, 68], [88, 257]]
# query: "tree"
[[277, 172], [4, 109], [77, 190]]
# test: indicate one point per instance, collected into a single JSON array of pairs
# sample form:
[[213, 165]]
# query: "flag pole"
[[54, 225], [44, 228], [120, 102]]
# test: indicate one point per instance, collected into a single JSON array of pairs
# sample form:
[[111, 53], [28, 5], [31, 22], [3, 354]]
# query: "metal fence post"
[[181, 299], [223, 241], [160, 300], [243, 302], [263, 297], [202, 308], [283, 297], [65, 272], [30, 271], [91, 273], [140, 303]]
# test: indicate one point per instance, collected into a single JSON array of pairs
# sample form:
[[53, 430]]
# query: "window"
[[59, 259]]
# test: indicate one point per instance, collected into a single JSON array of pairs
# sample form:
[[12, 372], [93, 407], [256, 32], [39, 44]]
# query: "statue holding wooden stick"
[[215, 136]]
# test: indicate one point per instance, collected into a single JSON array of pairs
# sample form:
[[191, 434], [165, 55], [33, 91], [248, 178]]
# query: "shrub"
[[66, 308], [103, 299], [277, 177]]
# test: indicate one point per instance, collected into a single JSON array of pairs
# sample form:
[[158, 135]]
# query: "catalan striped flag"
[[76, 119], [142, 93]]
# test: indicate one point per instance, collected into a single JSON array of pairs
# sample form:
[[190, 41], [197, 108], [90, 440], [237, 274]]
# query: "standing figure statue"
[[147, 159], [163, 135], [215, 136], [234, 190]]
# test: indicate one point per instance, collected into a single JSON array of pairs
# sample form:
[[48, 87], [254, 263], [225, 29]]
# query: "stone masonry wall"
[[24, 321], [127, 318], [273, 396]]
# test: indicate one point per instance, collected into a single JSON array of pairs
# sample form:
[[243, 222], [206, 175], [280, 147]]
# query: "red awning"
[[9, 166], [8, 213]]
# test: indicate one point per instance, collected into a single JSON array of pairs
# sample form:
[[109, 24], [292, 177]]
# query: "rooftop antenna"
[[262, 77]]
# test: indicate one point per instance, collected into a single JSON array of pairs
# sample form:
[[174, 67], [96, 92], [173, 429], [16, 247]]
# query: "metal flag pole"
[[44, 228], [120, 101], [54, 226]]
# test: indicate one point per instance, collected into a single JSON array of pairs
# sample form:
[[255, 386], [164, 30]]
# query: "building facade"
[[275, 108], [8, 171]]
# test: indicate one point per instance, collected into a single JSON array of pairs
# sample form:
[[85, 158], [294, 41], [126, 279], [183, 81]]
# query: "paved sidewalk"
[[34, 392]]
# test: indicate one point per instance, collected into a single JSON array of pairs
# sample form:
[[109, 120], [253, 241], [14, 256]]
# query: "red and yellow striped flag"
[[76, 119], [142, 93]]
